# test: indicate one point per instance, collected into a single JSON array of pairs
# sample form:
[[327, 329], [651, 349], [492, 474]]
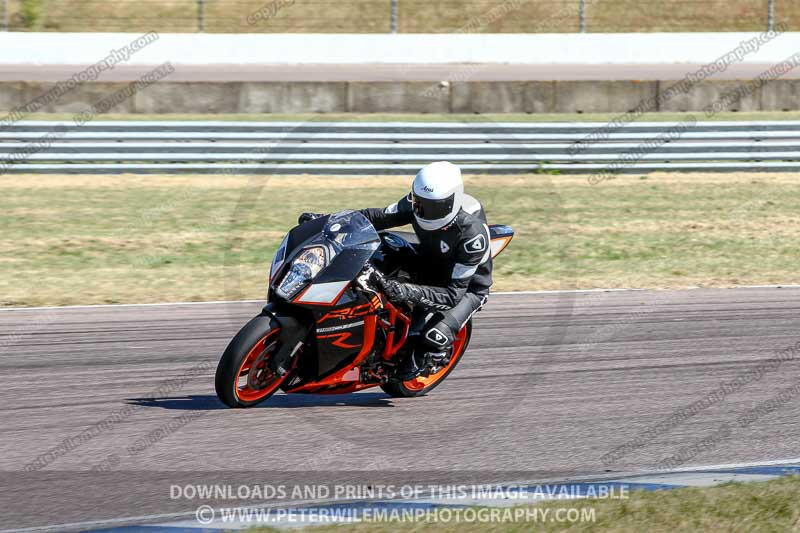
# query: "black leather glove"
[[397, 291], [305, 217]]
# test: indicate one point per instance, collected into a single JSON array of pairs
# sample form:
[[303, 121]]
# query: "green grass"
[[414, 16], [449, 117], [752, 507], [116, 239]]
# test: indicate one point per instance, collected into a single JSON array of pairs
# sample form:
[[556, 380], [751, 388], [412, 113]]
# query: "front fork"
[[292, 336]]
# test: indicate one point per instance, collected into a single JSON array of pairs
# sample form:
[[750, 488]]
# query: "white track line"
[[160, 304], [217, 302], [500, 293], [727, 466], [628, 476]]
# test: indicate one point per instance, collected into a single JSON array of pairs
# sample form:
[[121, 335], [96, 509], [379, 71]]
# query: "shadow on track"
[[208, 402]]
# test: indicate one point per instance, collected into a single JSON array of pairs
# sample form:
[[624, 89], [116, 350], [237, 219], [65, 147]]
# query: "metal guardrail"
[[395, 147]]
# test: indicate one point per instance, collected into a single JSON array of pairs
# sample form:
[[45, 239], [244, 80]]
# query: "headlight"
[[307, 265]]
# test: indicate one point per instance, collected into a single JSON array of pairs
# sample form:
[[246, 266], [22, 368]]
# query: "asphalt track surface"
[[551, 384]]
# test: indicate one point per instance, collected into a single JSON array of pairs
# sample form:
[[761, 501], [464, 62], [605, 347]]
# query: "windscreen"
[[350, 229]]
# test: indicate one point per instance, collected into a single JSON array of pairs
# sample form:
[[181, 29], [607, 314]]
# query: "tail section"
[[500, 236]]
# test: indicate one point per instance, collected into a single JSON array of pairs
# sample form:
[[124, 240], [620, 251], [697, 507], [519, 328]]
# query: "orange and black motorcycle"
[[326, 314]]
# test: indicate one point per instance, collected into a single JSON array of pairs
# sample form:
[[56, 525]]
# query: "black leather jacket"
[[457, 258]]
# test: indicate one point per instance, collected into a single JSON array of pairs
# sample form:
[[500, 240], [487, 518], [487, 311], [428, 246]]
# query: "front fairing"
[[349, 240]]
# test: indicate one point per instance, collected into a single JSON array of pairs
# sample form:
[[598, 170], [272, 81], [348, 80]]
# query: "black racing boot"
[[411, 366], [438, 359], [419, 362]]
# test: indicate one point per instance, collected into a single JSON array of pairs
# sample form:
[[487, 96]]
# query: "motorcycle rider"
[[454, 254]]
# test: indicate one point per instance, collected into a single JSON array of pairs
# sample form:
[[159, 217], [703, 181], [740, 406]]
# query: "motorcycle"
[[326, 311]]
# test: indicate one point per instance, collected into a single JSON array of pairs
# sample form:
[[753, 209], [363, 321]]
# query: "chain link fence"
[[403, 16]]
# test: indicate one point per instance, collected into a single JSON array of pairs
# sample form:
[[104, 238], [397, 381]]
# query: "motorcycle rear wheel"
[[243, 377], [422, 385]]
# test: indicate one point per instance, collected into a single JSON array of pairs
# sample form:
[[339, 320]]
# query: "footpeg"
[[411, 366], [423, 364], [438, 358]]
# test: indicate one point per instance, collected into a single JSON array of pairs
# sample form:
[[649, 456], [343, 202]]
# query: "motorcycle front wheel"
[[243, 376]]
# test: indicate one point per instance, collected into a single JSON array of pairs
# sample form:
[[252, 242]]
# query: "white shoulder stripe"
[[461, 271], [488, 254], [470, 204]]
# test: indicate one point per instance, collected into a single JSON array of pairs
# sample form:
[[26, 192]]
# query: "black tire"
[[398, 389], [242, 344]]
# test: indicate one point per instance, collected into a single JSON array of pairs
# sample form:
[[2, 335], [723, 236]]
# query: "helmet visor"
[[428, 209]]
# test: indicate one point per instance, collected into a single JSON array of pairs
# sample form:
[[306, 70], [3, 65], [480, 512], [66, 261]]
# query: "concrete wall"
[[410, 97], [462, 73]]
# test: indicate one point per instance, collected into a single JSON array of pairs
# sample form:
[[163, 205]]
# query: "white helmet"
[[437, 195]]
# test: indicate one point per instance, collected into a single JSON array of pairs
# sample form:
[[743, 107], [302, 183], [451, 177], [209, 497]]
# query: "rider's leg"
[[440, 333]]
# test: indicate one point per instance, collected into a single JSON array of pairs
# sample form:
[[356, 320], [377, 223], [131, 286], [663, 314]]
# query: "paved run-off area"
[[137, 239], [552, 387]]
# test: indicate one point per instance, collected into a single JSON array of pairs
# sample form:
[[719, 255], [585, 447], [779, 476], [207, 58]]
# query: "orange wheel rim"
[[422, 382], [255, 380]]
